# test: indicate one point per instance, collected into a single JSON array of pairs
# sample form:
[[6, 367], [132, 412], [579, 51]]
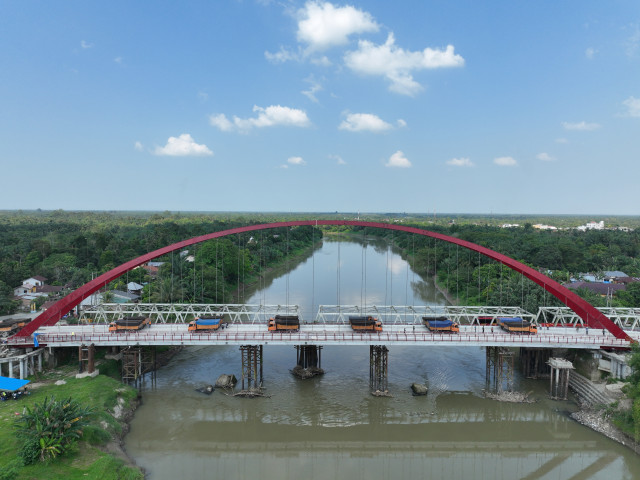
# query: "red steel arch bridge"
[[400, 322]]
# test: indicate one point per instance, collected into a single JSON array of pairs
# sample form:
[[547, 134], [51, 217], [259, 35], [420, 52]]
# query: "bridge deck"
[[320, 334]]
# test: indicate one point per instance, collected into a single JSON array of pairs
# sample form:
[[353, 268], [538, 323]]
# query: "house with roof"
[[600, 288]]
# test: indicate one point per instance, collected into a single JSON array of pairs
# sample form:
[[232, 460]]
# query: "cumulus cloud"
[[581, 126], [296, 161], [505, 161], [398, 160], [138, 146], [396, 64], [633, 106], [183, 146], [85, 45], [322, 25], [545, 157], [271, 116], [460, 162], [361, 122]]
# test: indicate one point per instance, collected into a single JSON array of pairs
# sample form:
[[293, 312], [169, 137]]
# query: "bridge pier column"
[[10, 369], [22, 369], [136, 361], [499, 375], [559, 381], [308, 361], [534, 361], [379, 370], [252, 378]]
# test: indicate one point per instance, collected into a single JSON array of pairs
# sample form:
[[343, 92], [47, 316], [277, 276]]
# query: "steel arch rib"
[[592, 316]]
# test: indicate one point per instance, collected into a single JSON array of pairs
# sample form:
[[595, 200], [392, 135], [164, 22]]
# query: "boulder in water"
[[208, 389], [419, 389], [226, 381]]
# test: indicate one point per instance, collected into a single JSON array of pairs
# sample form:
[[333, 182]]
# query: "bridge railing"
[[176, 338]]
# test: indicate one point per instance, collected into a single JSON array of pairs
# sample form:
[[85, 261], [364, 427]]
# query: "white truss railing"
[[625, 318], [185, 312], [412, 314]]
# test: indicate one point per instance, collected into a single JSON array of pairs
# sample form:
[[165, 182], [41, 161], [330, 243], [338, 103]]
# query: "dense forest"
[[70, 248]]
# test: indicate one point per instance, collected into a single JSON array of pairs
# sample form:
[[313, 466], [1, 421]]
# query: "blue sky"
[[404, 106]]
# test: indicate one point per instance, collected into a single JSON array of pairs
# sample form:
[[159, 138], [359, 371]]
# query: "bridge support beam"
[[308, 361], [252, 379], [559, 381], [379, 370], [534, 361], [499, 376], [136, 362], [86, 356]]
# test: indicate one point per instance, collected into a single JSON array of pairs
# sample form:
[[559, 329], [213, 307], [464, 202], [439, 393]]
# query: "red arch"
[[592, 316]]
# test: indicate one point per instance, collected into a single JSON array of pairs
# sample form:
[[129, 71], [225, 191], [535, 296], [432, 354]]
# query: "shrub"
[[50, 428]]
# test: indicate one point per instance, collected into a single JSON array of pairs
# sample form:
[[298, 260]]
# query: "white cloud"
[[633, 42], [460, 162], [271, 116], [398, 160], [138, 146], [590, 53], [221, 121], [85, 45], [633, 106], [338, 159], [360, 122], [322, 25], [396, 64], [545, 157], [282, 55], [314, 88], [581, 126], [296, 161], [401, 123], [505, 161], [183, 146]]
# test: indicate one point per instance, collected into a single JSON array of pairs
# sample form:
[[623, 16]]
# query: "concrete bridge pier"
[[379, 370], [252, 378], [499, 376], [86, 359], [559, 381], [534, 361]]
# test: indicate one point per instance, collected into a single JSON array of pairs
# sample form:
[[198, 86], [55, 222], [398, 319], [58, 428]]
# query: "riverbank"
[[600, 421], [99, 455]]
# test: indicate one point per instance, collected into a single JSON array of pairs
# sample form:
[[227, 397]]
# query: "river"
[[330, 427]]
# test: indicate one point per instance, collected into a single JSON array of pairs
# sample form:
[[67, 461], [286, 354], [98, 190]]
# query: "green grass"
[[87, 461]]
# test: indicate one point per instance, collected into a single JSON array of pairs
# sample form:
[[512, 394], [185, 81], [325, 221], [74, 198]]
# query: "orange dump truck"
[[441, 324], [284, 323], [129, 324], [205, 324], [13, 324], [517, 325], [365, 324]]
